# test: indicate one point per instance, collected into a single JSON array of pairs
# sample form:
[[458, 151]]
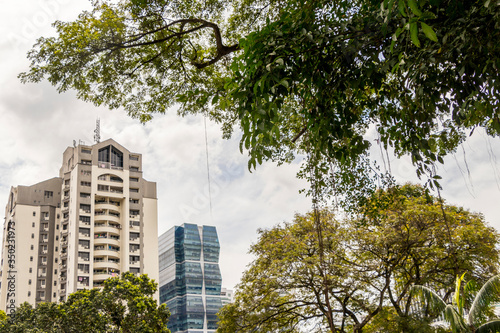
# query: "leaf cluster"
[[316, 274], [124, 304], [297, 77]]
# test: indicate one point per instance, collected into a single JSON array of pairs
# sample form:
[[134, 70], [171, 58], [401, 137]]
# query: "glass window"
[[116, 157], [104, 154]]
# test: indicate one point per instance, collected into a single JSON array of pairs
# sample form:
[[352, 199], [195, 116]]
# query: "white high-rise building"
[[96, 220]]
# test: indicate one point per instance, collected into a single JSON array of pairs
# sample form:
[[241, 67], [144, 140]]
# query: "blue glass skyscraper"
[[190, 279]]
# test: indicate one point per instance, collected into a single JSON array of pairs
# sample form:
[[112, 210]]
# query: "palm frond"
[[455, 320], [490, 292], [429, 297], [459, 301], [489, 327]]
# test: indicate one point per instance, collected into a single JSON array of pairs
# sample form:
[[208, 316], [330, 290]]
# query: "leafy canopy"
[[296, 76], [124, 304], [316, 274]]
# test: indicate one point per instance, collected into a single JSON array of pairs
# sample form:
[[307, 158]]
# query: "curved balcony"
[[106, 217], [108, 206], [106, 241], [101, 276], [116, 193], [107, 252], [106, 228], [106, 264]]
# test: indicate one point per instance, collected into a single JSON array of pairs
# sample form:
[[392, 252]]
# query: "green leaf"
[[402, 8], [429, 32], [414, 7], [414, 34], [215, 99]]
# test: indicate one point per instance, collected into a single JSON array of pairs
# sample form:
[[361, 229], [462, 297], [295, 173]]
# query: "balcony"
[[105, 208], [108, 165], [110, 191], [106, 264], [107, 251], [107, 241]]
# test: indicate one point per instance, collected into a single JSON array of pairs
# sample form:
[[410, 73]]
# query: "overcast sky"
[[37, 124]]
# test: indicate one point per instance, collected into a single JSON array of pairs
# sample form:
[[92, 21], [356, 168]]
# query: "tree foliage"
[[124, 304], [316, 275], [296, 76]]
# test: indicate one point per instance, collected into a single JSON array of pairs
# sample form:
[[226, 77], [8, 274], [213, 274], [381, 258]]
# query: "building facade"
[[94, 221], [190, 279]]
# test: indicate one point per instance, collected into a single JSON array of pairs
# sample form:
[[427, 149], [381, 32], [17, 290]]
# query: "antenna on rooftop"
[[97, 131]]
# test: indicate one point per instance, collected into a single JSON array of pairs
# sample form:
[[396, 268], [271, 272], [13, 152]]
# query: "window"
[[110, 155], [86, 172], [103, 155], [85, 218], [84, 195], [57, 249], [31, 270], [29, 281], [48, 194], [133, 168], [55, 284], [32, 235], [134, 179], [33, 224], [34, 213], [87, 162], [86, 151], [104, 188], [29, 293], [32, 247], [57, 238], [134, 157], [31, 258], [55, 271], [135, 190], [85, 183]]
